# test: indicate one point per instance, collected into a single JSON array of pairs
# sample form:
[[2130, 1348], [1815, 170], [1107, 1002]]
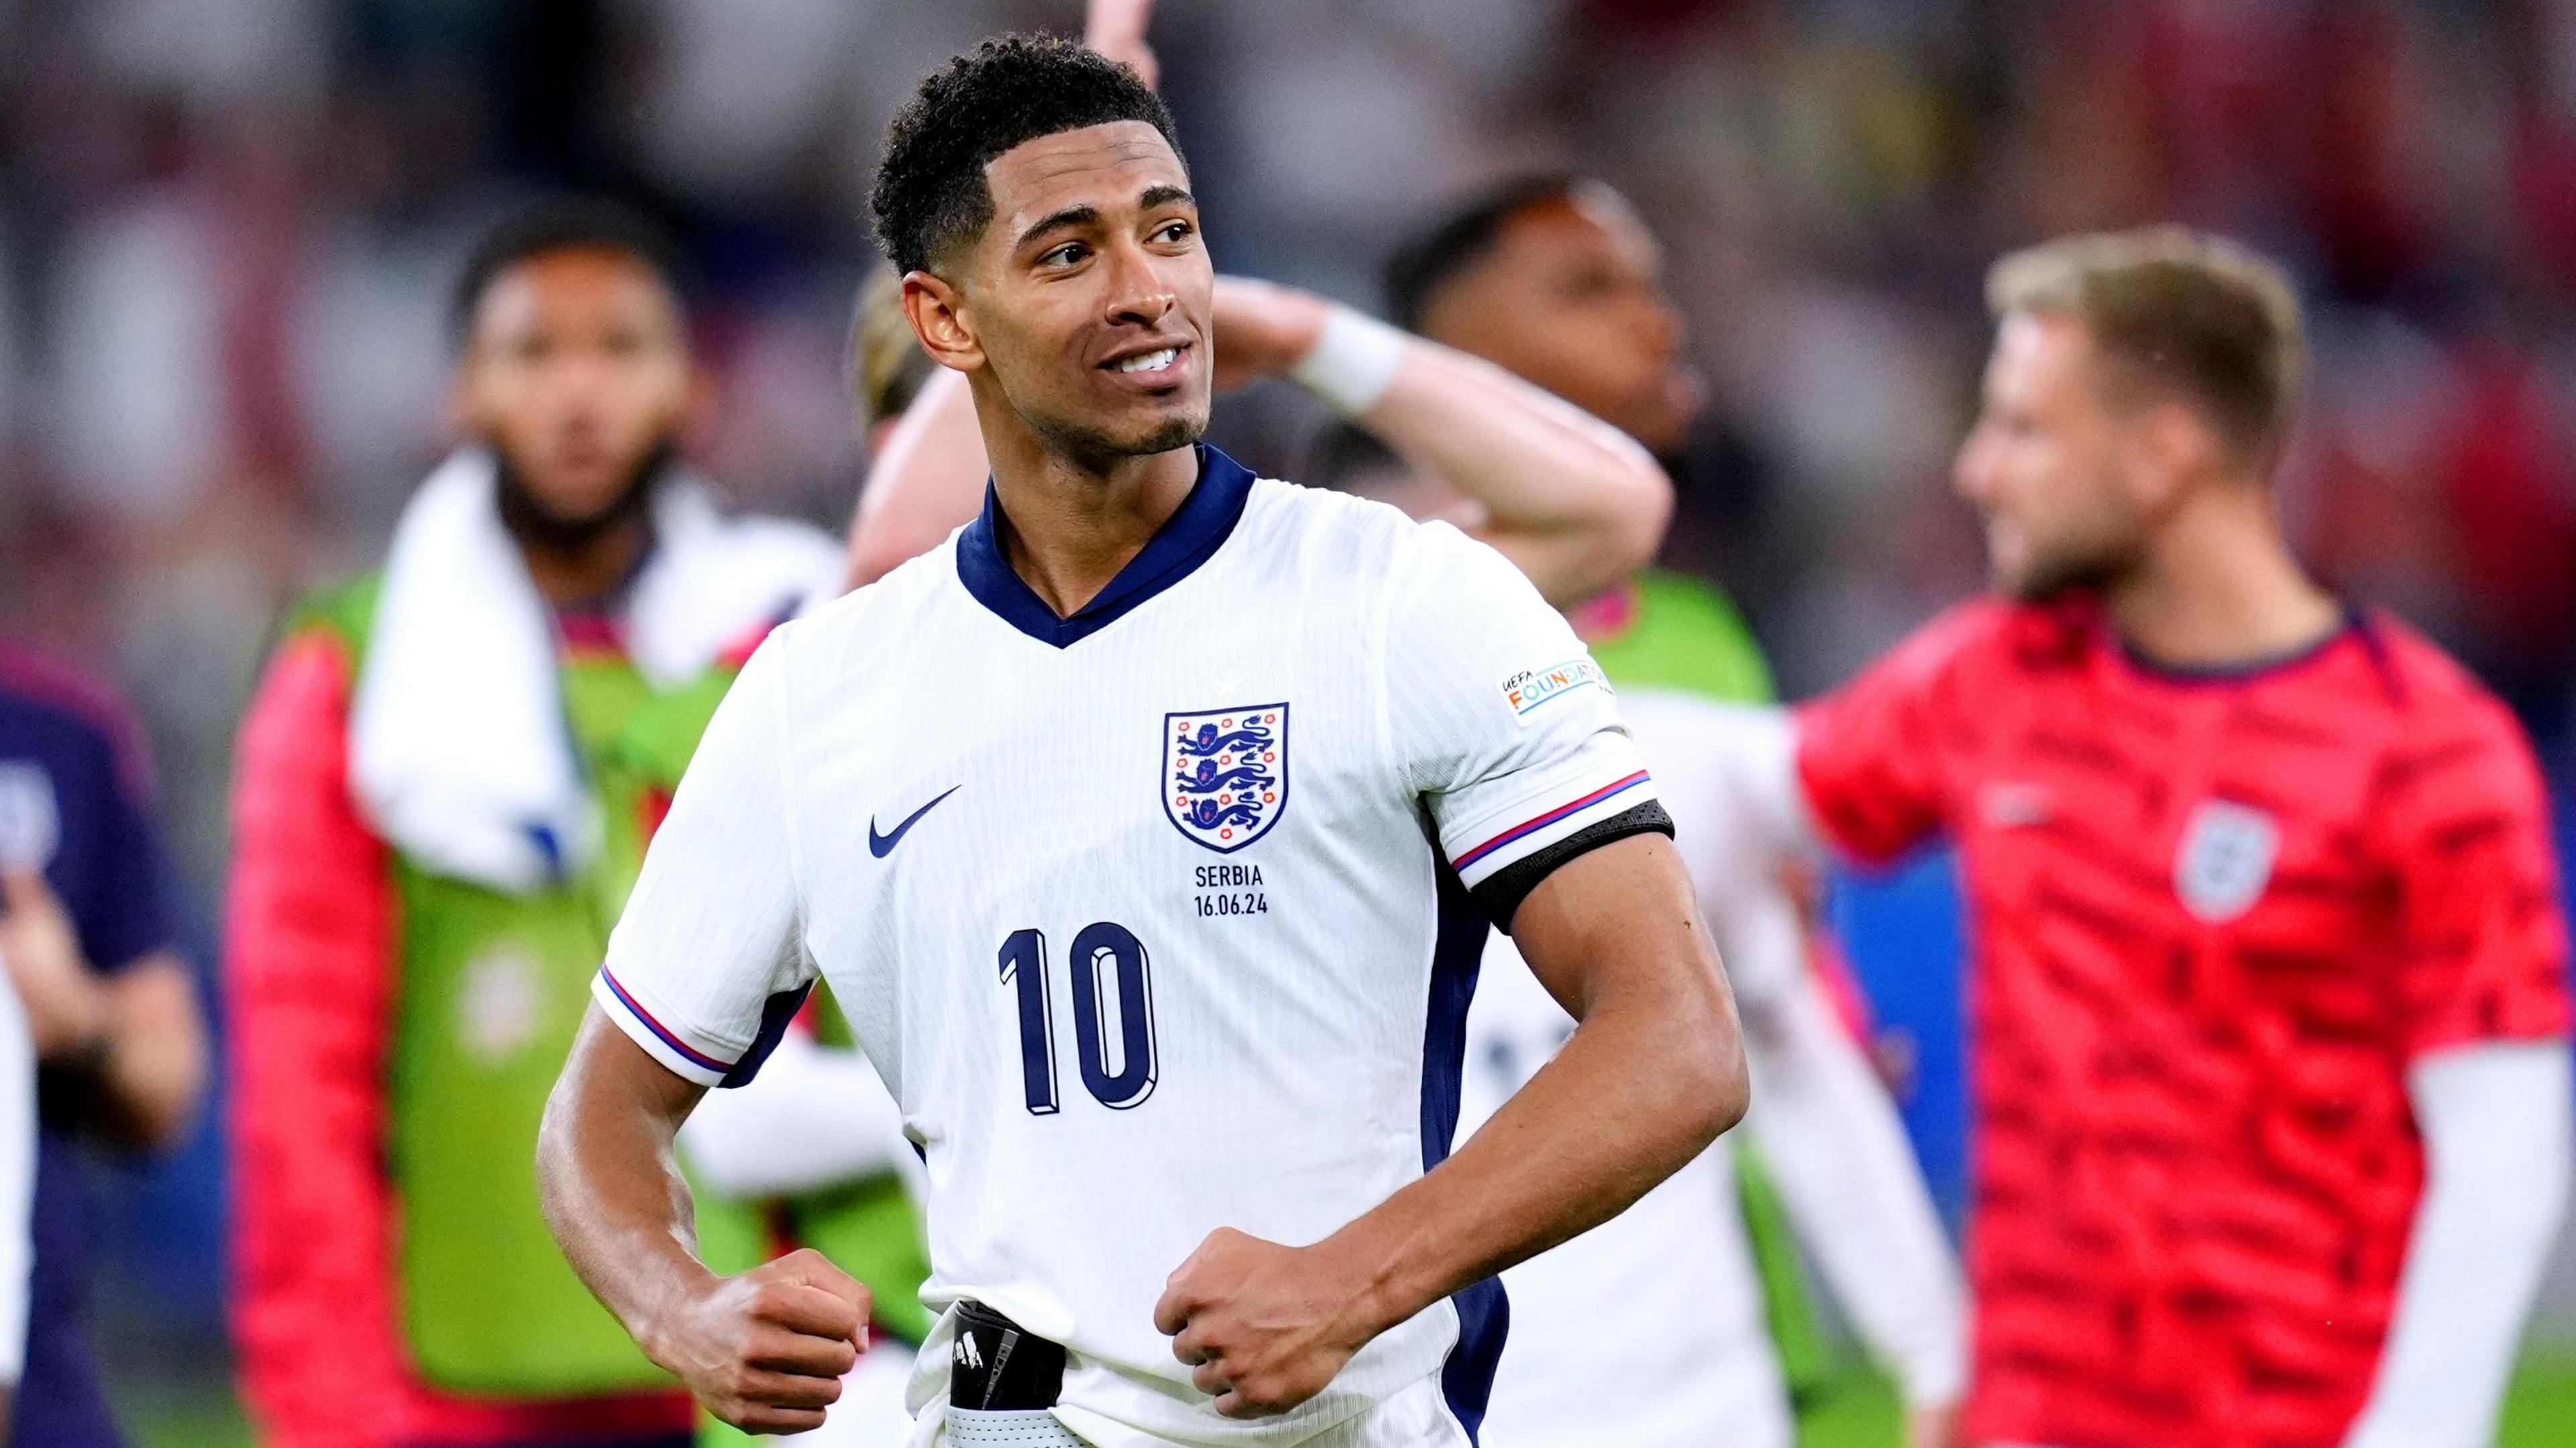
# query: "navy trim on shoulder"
[[1484, 1314], [1188, 538], [775, 1015], [2374, 643]]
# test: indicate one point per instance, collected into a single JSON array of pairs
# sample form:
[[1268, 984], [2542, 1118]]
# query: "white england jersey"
[[1156, 919]]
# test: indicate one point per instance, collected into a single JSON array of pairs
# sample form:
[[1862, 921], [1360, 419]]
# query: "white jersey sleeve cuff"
[[687, 1054], [1484, 848]]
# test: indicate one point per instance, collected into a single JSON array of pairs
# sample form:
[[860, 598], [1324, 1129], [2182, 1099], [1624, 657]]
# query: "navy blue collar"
[[2352, 622], [1188, 538]]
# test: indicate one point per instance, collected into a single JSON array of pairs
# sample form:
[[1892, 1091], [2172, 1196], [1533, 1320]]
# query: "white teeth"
[[1150, 361]]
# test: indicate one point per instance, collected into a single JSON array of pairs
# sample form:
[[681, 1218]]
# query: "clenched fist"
[[1265, 1326], [765, 1350]]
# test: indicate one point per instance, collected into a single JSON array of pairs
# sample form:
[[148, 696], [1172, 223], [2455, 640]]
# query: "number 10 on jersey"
[[1113, 988]]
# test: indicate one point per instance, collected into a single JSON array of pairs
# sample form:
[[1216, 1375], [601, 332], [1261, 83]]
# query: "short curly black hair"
[[930, 192], [566, 223]]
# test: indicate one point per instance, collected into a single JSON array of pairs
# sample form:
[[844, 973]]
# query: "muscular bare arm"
[[1571, 500], [1654, 1071], [764, 1350], [1576, 504]]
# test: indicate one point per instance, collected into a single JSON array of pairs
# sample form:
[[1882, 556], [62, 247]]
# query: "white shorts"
[[1033, 1428]]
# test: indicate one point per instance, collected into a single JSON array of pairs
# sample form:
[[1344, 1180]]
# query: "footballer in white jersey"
[[1148, 833], [1170, 857]]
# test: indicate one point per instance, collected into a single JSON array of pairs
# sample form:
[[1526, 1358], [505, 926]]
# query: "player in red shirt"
[[2268, 997]]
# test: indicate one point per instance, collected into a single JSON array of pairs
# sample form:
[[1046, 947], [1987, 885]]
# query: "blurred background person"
[[2270, 972], [1688, 1312], [89, 933], [1557, 279], [447, 783]]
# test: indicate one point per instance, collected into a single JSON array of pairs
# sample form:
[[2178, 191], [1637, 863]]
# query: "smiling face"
[[1085, 301]]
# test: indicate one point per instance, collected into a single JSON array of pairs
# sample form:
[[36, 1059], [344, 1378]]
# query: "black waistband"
[[998, 1366]]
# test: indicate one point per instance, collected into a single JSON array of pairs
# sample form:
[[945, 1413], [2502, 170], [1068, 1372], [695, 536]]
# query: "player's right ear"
[[932, 306]]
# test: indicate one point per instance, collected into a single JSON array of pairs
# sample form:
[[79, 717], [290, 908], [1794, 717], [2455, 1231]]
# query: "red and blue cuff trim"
[[1529, 827], [663, 1033]]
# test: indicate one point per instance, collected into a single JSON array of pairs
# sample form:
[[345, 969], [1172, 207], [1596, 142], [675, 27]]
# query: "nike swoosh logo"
[[883, 845]]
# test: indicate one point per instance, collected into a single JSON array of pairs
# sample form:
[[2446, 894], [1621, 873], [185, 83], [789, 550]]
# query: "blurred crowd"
[[228, 230]]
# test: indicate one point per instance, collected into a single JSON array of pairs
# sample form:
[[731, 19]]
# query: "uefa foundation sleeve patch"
[[1533, 689]]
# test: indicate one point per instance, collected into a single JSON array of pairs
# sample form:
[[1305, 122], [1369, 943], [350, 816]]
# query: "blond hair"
[[887, 365], [2184, 311]]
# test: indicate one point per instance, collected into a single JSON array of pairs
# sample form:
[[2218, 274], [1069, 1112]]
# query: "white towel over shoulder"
[[460, 755]]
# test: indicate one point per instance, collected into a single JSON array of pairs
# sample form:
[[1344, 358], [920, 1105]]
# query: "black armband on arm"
[[1501, 895]]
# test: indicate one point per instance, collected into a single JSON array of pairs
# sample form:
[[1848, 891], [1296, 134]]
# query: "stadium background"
[[227, 229]]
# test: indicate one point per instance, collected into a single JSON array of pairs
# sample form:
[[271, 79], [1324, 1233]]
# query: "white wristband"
[[1353, 363]]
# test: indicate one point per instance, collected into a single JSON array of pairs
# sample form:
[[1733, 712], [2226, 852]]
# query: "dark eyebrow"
[[1160, 195], [1069, 216]]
